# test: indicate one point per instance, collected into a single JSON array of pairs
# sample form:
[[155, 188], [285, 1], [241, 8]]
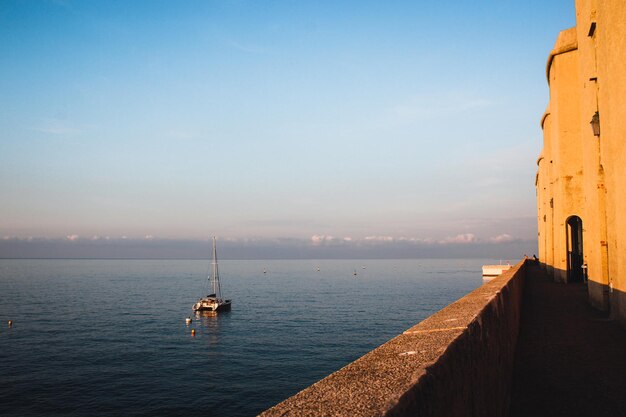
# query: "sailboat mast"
[[216, 274]]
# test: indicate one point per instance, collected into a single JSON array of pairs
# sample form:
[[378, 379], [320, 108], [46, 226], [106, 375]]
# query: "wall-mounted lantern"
[[595, 124]]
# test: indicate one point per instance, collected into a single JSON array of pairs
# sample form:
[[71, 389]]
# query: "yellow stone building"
[[581, 177]]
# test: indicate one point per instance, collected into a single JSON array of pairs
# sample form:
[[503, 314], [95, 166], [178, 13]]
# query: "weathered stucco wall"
[[543, 183], [457, 362], [611, 56], [582, 173], [562, 148], [596, 255]]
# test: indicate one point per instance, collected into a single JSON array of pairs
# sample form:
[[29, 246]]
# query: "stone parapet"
[[457, 362]]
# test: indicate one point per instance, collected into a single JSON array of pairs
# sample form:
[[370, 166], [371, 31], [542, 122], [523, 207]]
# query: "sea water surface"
[[108, 337]]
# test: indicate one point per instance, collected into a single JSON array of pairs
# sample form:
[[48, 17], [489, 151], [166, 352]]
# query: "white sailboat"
[[214, 301]]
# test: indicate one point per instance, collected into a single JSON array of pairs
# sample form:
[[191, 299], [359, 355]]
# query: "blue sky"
[[273, 119]]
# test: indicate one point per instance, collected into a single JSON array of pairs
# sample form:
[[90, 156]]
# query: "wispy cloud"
[[503, 238], [317, 240], [317, 247], [427, 240], [379, 239], [465, 238]]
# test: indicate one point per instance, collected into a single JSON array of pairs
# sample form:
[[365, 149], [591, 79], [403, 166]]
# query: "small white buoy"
[[188, 320]]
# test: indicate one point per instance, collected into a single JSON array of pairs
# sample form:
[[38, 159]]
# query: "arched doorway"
[[574, 249]]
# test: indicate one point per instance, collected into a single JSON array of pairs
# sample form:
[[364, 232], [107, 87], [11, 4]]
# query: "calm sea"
[[108, 337]]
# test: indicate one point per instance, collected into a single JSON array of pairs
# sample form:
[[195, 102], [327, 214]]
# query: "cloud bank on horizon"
[[317, 247], [272, 120]]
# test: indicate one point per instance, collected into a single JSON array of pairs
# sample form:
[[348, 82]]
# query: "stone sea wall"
[[457, 362]]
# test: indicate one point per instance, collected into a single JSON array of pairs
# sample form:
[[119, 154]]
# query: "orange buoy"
[[193, 332], [10, 323]]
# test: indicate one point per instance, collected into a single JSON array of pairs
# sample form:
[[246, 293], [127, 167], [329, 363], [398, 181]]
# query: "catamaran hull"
[[212, 306], [224, 307]]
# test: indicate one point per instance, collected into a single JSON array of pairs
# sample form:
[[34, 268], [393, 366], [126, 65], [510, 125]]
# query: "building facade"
[[581, 176]]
